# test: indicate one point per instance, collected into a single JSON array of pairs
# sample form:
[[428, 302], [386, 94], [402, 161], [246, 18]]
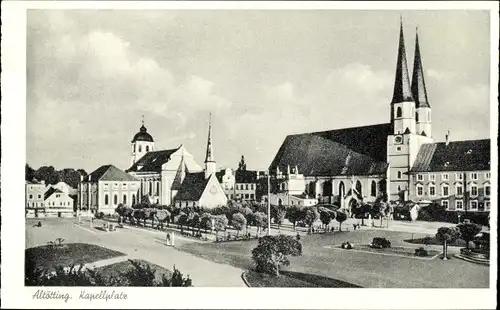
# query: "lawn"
[[119, 269], [356, 267], [409, 252], [47, 257], [434, 241], [292, 279]]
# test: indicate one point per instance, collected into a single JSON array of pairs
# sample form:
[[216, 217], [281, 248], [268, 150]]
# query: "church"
[[398, 161], [172, 176]]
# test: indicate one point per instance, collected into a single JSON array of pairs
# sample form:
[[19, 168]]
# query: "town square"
[[268, 148]]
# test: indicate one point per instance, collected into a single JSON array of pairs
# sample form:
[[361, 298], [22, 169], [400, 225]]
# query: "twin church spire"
[[408, 97]]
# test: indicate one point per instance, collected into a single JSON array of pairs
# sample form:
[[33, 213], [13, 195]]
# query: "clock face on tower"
[[398, 139]]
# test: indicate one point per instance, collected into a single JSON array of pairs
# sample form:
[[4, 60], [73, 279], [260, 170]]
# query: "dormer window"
[[468, 152], [446, 164]]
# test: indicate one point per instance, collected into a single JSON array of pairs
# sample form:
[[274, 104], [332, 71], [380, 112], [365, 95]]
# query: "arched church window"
[[106, 199], [327, 189], [134, 147], [416, 116], [359, 188], [374, 189], [124, 199], [399, 112], [157, 188], [147, 148], [140, 149], [399, 174], [133, 199], [341, 189], [115, 199], [150, 188]]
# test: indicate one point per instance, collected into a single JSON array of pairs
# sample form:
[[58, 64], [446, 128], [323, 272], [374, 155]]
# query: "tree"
[[206, 221], [361, 210], [194, 221], [248, 213], [468, 231], [341, 217], [162, 216], [238, 222], [258, 220], [29, 173], [309, 215], [182, 219], [447, 235], [220, 224], [279, 216], [272, 251], [47, 174], [326, 216], [293, 214]]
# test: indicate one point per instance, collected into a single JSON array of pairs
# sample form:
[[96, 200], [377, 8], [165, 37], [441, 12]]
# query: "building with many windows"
[[172, 176], [396, 161], [105, 188], [34, 196], [454, 174], [58, 203], [240, 184]]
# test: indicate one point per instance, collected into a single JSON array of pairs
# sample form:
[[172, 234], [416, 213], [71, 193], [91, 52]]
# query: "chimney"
[[81, 178], [447, 138]]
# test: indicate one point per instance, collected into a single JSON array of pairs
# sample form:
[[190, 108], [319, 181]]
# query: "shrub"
[[272, 251], [421, 252], [99, 215], [381, 243]]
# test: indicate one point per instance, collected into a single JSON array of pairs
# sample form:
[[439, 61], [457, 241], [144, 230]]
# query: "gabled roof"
[[348, 151], [471, 155], [51, 191], [245, 176], [108, 173], [152, 161], [192, 187]]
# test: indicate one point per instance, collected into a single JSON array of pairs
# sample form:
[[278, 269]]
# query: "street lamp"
[[268, 203]]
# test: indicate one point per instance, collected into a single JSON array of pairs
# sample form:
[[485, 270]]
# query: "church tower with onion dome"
[[141, 144]]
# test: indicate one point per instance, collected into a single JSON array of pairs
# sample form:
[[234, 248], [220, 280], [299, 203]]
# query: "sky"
[[92, 74]]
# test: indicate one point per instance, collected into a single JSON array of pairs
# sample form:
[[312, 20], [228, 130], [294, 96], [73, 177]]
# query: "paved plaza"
[[137, 244], [221, 264]]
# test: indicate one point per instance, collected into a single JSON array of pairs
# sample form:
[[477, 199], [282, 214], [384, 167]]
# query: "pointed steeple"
[[210, 166], [210, 153], [418, 89], [402, 91]]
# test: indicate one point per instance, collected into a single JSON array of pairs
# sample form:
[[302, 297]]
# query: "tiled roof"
[[468, 155], [152, 161], [349, 151], [192, 187], [108, 173], [245, 176], [51, 191]]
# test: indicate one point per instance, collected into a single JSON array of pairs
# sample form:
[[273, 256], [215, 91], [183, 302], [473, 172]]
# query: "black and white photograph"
[[258, 146]]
